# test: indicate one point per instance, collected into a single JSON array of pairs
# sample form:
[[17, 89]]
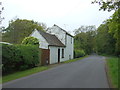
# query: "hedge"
[[19, 57], [79, 53]]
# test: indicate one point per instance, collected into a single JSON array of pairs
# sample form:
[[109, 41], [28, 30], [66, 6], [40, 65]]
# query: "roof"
[[5, 43], [63, 30], [51, 39]]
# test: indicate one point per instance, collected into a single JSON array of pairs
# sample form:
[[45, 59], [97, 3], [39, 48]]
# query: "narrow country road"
[[86, 73]]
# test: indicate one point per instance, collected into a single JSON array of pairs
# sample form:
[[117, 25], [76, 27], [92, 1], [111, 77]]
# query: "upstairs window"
[[71, 40]]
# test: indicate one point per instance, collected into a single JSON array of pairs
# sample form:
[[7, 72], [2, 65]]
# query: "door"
[[45, 56], [58, 55]]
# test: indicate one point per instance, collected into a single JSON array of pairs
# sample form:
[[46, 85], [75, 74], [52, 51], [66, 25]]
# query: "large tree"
[[84, 39], [105, 43], [19, 29]]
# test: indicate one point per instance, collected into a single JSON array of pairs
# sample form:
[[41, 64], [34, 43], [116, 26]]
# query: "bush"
[[79, 53], [19, 57], [29, 56], [31, 41], [10, 56]]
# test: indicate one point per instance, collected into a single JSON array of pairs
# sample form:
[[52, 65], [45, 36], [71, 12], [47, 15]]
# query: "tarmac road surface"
[[86, 73]]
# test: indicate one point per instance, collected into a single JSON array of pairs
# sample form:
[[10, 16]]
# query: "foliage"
[[114, 29], [19, 57], [113, 70], [79, 53], [1, 9], [29, 55], [114, 22], [84, 40], [31, 41], [105, 43], [108, 4], [84, 29], [19, 29]]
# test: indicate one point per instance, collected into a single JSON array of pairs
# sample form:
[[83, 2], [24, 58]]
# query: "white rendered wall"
[[69, 48], [60, 34], [66, 40], [54, 54], [42, 42]]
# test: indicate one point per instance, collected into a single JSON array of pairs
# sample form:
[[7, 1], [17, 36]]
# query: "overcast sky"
[[68, 14]]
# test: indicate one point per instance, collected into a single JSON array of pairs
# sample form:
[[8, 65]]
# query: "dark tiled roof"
[[51, 39]]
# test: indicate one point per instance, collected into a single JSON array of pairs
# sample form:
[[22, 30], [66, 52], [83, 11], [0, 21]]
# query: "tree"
[[114, 28], [105, 43], [1, 9], [19, 29], [114, 22], [84, 39], [108, 4], [30, 40], [84, 29]]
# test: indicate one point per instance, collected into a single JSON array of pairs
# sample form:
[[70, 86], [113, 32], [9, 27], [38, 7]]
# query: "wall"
[[54, 54], [58, 32], [68, 51], [65, 39], [42, 42], [69, 47]]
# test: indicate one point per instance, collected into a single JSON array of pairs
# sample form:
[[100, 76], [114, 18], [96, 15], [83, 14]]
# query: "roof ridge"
[[51, 39], [63, 30]]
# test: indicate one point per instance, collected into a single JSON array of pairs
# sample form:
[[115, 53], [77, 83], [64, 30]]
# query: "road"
[[86, 73]]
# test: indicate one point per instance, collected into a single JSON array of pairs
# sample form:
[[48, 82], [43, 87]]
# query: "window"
[[71, 40], [62, 53]]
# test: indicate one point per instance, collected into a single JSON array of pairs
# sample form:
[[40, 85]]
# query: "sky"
[[68, 14]]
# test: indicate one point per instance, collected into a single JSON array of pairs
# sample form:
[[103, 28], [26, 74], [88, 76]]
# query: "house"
[[56, 44]]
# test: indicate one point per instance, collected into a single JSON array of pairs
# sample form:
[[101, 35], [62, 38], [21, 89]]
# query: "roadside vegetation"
[[24, 73], [112, 63]]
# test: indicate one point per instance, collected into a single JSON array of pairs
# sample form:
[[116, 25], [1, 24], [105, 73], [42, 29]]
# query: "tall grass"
[[113, 70]]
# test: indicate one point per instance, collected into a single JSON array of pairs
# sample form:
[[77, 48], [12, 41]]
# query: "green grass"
[[112, 63], [20, 74], [76, 59], [24, 73]]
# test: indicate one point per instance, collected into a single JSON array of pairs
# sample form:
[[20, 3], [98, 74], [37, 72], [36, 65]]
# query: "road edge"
[[108, 76]]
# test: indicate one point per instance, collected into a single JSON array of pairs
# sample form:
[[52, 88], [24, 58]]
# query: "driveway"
[[86, 73]]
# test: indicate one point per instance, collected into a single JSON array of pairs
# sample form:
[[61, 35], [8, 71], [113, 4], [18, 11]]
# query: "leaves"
[[108, 5], [19, 29], [30, 41], [84, 39]]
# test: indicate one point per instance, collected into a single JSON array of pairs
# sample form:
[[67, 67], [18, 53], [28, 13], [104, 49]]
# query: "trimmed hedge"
[[19, 57], [79, 53]]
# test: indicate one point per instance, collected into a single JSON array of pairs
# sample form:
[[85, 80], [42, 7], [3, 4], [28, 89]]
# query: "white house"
[[56, 43]]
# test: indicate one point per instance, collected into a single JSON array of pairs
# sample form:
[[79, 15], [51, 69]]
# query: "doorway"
[[58, 55]]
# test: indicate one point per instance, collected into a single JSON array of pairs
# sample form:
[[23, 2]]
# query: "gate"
[[45, 56]]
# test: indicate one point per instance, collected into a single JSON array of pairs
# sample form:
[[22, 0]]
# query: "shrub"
[[19, 57], [29, 56], [10, 56], [30, 40], [79, 53]]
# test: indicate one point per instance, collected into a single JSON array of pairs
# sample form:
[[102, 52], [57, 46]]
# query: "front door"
[[58, 55]]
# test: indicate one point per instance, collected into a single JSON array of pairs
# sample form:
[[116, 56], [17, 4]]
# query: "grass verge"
[[112, 64], [24, 73], [76, 59]]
